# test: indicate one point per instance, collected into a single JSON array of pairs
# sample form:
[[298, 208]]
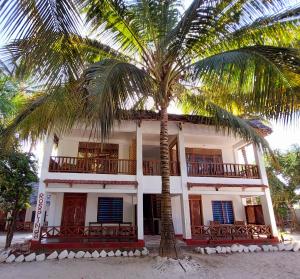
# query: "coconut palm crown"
[[97, 60]]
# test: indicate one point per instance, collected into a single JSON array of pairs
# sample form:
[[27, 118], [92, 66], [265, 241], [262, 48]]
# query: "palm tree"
[[100, 60]]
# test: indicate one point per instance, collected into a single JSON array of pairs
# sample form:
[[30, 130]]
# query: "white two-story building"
[[109, 194]]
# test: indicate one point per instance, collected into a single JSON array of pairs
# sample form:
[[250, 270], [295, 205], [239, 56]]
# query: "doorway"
[[152, 214], [254, 214], [195, 210], [74, 206]]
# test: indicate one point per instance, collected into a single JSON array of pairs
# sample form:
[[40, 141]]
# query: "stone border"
[[8, 257], [238, 248]]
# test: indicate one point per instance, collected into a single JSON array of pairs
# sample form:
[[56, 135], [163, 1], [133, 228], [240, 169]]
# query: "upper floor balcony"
[[150, 167]]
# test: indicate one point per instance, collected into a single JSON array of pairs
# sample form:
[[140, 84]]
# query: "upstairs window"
[[98, 150], [223, 212], [110, 210]]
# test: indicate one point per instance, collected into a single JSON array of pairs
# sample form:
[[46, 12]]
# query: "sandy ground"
[[236, 266]]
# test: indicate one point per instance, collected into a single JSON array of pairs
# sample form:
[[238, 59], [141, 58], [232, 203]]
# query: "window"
[[110, 210], [223, 212], [97, 150]]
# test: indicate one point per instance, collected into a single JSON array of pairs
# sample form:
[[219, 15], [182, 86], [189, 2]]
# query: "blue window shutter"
[[110, 210], [223, 212], [217, 211]]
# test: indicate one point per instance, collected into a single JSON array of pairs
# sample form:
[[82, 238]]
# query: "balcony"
[[222, 170], [92, 165], [150, 167]]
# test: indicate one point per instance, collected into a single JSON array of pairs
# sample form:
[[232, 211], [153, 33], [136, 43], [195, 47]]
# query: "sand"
[[235, 266]]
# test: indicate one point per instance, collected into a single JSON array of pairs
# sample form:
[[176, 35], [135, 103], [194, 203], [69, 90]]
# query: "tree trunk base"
[[168, 248]]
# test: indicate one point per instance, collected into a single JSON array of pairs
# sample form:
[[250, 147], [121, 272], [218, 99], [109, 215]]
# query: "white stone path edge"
[[8, 257], [238, 248]]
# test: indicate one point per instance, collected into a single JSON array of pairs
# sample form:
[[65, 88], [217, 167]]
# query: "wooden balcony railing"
[[109, 232], [92, 165], [222, 170], [231, 232], [152, 167]]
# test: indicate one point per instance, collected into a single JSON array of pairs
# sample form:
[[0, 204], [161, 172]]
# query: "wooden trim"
[[218, 186], [92, 182]]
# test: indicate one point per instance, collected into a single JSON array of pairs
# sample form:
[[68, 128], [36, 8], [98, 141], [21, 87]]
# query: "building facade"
[[109, 194]]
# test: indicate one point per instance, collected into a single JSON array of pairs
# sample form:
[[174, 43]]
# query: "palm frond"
[[267, 76], [223, 120], [113, 86], [24, 18]]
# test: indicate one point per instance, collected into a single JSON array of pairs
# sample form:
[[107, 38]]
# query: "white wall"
[[176, 214], [238, 208]]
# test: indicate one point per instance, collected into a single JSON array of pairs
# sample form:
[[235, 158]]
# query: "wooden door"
[[195, 210], [254, 214], [74, 209]]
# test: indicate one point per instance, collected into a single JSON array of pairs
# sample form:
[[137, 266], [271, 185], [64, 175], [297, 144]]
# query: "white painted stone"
[[130, 254], [125, 254], [95, 254], [234, 248], [118, 253], [258, 249], [145, 251], [265, 248], [209, 250], [103, 254], [271, 248], [30, 257], [71, 255], [4, 255], [111, 254], [296, 246], [252, 248], [63, 254], [228, 250], [241, 248], [10, 258], [197, 249], [223, 250], [137, 253], [40, 257], [87, 255], [246, 249], [275, 249], [79, 254], [280, 246], [288, 247], [20, 259], [219, 249], [53, 256]]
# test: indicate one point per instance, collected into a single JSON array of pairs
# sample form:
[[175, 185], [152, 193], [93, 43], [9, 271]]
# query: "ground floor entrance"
[[152, 214]]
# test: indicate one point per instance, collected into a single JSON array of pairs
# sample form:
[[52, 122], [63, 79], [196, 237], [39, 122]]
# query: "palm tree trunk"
[[167, 246]]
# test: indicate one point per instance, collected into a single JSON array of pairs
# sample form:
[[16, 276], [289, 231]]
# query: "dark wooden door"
[[74, 209], [254, 214], [195, 210]]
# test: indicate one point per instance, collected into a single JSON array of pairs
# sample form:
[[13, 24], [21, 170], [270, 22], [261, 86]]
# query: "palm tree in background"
[[99, 60]]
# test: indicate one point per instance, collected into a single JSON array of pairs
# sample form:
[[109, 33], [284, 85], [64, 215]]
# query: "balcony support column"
[[184, 198], [41, 198], [266, 200], [139, 178]]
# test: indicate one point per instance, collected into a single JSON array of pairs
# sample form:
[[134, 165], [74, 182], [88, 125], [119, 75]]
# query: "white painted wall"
[[238, 208], [176, 214]]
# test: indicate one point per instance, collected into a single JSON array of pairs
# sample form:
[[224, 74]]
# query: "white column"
[[266, 200], [51, 214], [184, 198], [41, 198], [139, 178]]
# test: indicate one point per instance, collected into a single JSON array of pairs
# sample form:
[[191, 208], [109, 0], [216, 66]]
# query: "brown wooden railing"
[[222, 170], [152, 167], [109, 232], [92, 165], [231, 232]]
